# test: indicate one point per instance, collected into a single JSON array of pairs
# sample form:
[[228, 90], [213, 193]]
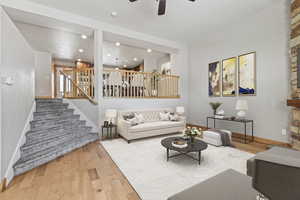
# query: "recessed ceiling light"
[[84, 36], [135, 59], [80, 50], [79, 59], [114, 14], [149, 50], [109, 55], [124, 65], [117, 68], [118, 44]]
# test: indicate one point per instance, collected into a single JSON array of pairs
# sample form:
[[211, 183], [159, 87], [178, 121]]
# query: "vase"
[[192, 139]]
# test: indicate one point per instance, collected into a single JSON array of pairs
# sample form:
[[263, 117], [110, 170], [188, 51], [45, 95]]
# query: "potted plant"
[[192, 133], [215, 106]]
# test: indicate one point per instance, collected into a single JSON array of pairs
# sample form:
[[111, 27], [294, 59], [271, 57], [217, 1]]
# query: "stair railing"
[[83, 93]]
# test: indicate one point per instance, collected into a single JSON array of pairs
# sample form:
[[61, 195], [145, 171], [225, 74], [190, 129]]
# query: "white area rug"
[[144, 164]]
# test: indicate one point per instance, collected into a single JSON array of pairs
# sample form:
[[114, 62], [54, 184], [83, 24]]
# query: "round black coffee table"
[[196, 146]]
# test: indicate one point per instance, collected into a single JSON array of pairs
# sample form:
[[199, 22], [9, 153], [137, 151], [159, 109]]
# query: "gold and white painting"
[[247, 74], [229, 77], [214, 79]]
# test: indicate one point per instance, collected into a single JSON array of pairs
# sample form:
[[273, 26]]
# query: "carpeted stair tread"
[[54, 131], [46, 114], [52, 108], [56, 100], [42, 122], [61, 124], [35, 138], [22, 166], [54, 115], [44, 142]]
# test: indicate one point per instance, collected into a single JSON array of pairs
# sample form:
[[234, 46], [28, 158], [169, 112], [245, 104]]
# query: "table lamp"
[[111, 114], [241, 106], [180, 110]]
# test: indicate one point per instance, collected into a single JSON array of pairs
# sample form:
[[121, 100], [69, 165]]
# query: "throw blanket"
[[225, 137]]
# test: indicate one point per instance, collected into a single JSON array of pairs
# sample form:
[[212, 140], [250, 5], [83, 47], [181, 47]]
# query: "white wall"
[[150, 63], [267, 34], [43, 73], [17, 61], [87, 108]]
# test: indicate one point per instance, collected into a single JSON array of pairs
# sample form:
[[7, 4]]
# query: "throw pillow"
[[140, 118], [128, 116], [164, 116], [174, 117], [133, 122]]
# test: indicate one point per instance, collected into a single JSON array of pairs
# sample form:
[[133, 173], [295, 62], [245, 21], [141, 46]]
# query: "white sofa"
[[151, 127]]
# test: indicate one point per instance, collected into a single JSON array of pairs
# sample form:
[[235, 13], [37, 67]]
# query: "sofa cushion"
[[155, 125]]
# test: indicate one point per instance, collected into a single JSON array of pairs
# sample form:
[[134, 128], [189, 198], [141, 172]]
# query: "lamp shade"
[[111, 113], [241, 105], [180, 109]]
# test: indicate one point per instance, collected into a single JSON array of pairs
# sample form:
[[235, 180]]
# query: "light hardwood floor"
[[85, 174]]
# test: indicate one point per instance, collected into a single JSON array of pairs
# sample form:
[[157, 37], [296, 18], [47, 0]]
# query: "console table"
[[243, 121]]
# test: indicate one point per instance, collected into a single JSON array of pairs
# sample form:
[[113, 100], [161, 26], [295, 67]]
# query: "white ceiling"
[[123, 55], [185, 21], [63, 45]]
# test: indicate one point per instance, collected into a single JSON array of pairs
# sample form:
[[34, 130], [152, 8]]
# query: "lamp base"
[[241, 114]]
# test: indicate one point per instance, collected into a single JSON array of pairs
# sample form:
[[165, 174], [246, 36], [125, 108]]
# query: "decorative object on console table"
[[220, 114], [247, 74], [241, 106], [214, 79], [215, 106], [231, 119], [229, 77], [111, 115]]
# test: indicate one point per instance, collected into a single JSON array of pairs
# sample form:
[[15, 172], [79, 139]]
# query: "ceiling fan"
[[161, 6]]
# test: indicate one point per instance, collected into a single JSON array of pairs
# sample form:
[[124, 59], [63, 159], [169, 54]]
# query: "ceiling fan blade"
[[132, 0], [162, 7]]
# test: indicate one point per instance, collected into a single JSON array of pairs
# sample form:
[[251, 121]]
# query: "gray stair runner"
[[54, 131]]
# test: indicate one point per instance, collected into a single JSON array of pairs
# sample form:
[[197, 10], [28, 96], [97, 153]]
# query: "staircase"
[[54, 131]]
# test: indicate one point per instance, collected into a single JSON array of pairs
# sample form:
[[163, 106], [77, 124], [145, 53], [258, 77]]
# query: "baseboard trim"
[[43, 97], [256, 139], [3, 185], [9, 174], [82, 115]]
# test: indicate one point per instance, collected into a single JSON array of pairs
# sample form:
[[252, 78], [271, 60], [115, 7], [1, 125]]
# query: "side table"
[[109, 131]]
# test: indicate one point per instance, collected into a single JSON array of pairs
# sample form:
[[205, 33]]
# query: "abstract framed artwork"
[[214, 79], [229, 77], [247, 74]]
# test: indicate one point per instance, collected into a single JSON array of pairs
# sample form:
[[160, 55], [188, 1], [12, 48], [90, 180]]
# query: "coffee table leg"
[[199, 157], [168, 154]]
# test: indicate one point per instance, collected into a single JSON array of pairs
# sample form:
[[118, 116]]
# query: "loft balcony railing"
[[78, 84], [131, 84]]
